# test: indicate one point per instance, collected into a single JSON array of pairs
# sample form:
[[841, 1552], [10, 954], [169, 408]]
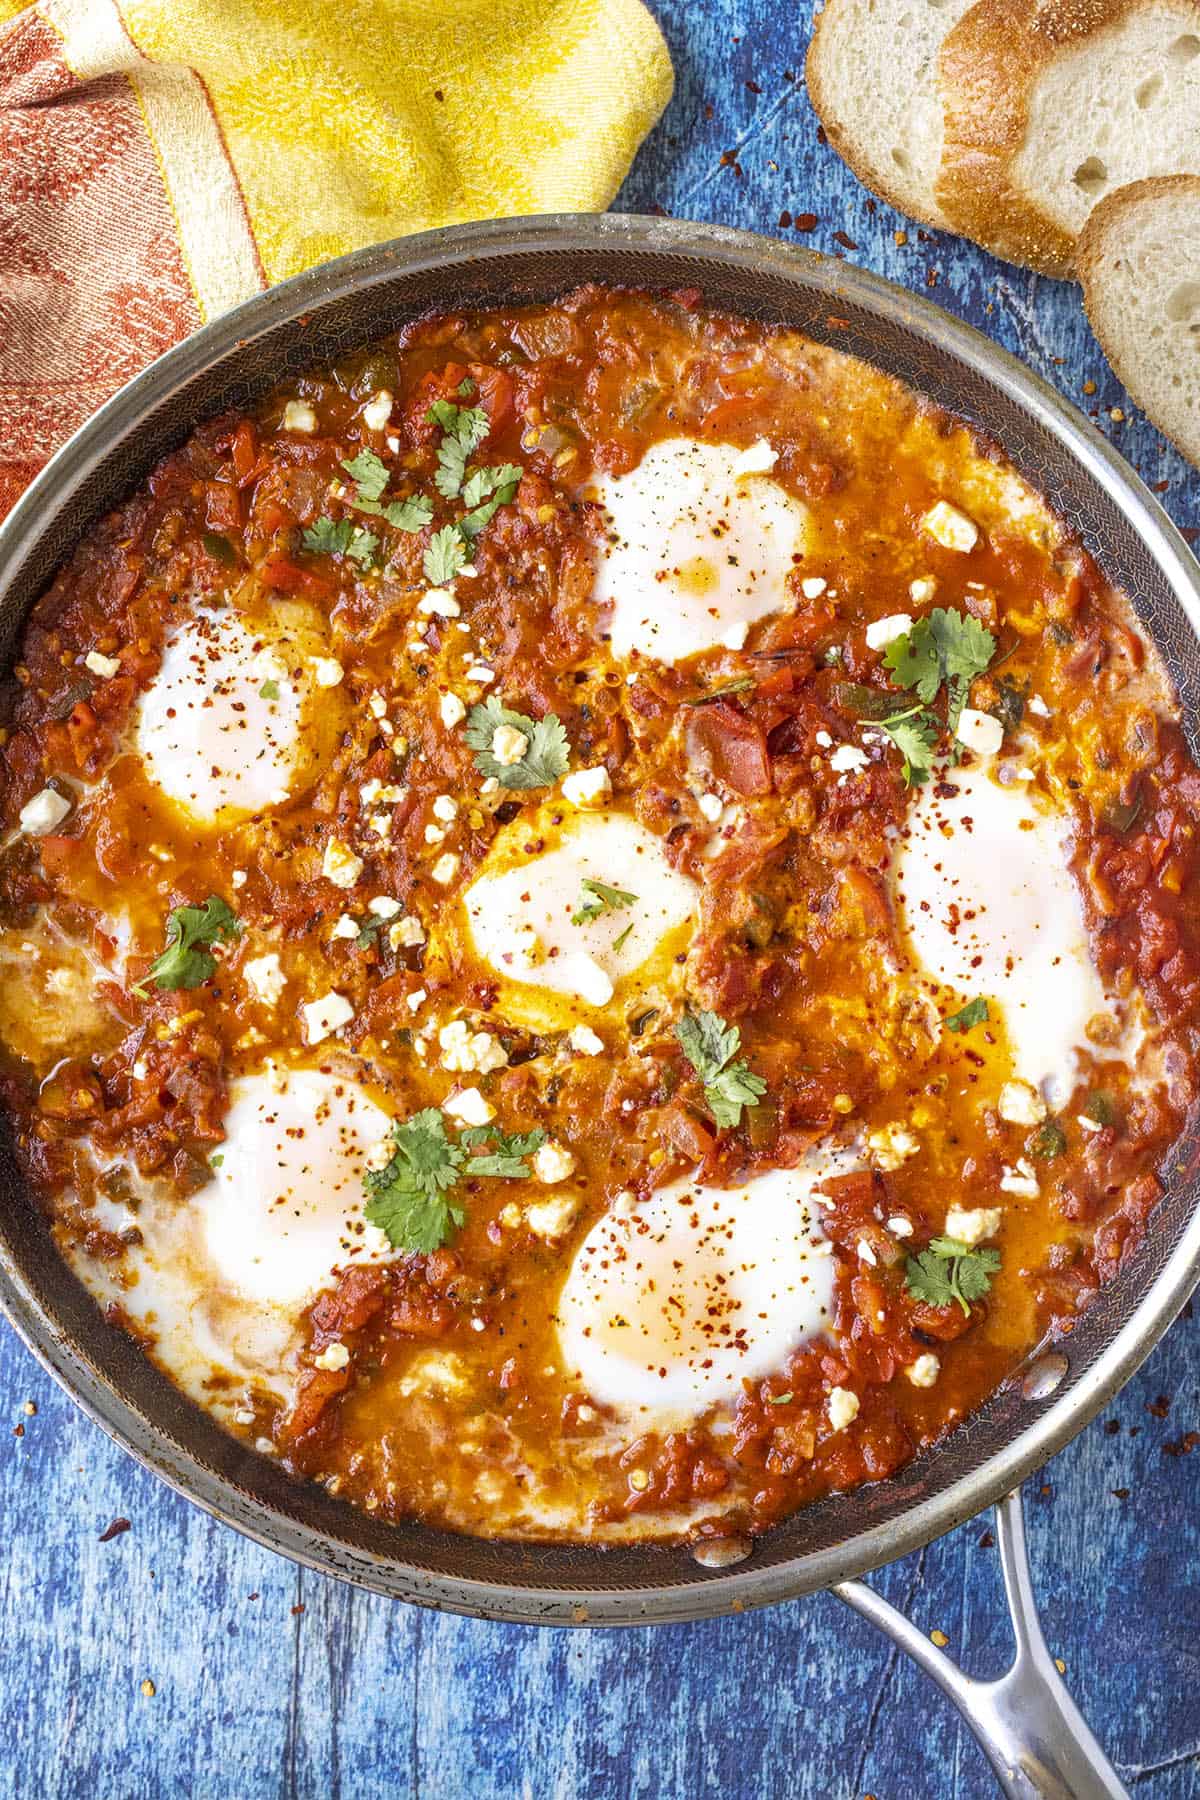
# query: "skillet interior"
[[313, 320]]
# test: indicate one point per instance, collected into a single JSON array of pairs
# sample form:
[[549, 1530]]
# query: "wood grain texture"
[[353, 1697]]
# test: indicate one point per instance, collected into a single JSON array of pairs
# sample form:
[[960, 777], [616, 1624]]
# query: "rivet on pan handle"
[[1026, 1723]]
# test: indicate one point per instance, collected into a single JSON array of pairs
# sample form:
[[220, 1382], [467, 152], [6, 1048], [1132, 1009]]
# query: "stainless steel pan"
[[1027, 1724]]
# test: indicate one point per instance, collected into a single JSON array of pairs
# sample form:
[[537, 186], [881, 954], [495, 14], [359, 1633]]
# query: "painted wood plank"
[[353, 1697]]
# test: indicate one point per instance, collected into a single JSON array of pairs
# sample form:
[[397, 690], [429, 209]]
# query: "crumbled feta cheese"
[[468, 1106], [925, 1371], [324, 1016], [587, 787], [711, 807], [340, 865], [383, 907], [735, 637], [107, 666], [265, 977], [1037, 705], [327, 671], [813, 586], [583, 1039], [1021, 1104], [1022, 1180], [552, 1164], [587, 979], [489, 786], [849, 759], [441, 602], [479, 675], [551, 1219], [843, 1407], [435, 834], [823, 739], [239, 878], [377, 706], [407, 933], [972, 1227], [445, 869], [436, 1372], [892, 1145], [1088, 1124], [465, 1051], [416, 1000], [508, 745], [979, 731], [922, 589], [345, 927], [378, 411], [882, 632], [899, 1226], [453, 711], [298, 415], [45, 811], [757, 460], [950, 528], [445, 809], [333, 1357]]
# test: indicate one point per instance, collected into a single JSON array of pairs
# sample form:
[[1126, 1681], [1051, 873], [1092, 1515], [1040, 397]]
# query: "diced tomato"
[[730, 746], [287, 577]]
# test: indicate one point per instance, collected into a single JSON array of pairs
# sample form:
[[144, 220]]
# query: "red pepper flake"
[[845, 240], [1111, 1427], [806, 221], [785, 219], [1182, 1446], [931, 278], [754, 87], [18, 1431], [438, 94], [115, 1530], [987, 1541], [822, 135], [1120, 1493], [297, 1610], [709, 111], [1160, 1407]]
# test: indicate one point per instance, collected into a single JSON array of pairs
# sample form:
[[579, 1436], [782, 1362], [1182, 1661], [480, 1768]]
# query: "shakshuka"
[[598, 921]]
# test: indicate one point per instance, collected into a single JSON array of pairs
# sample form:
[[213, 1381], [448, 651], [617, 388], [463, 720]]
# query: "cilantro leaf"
[[370, 474], [412, 514], [945, 648], [409, 1199], [950, 1271], [547, 753], [596, 897], [445, 555], [1049, 1141], [710, 1045], [186, 962], [465, 427], [915, 735], [507, 1159], [975, 1012], [269, 690], [328, 537], [362, 546], [501, 481]]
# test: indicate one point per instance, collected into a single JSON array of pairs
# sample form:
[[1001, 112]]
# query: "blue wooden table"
[[175, 1659]]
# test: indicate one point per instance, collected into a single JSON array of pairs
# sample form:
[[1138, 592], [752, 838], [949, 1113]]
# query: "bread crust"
[[988, 66], [1099, 242], [848, 147]]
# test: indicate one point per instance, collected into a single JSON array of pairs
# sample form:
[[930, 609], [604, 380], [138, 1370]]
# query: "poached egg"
[[695, 552]]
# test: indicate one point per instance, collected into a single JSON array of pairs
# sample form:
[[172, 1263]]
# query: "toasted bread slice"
[[872, 77], [1139, 262], [1051, 104]]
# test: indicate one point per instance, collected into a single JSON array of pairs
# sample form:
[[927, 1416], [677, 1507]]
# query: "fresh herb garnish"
[[1099, 1108], [944, 649], [465, 428], [741, 686], [620, 942], [445, 556], [950, 1270], [501, 483], [369, 472], [506, 1160], [219, 548], [596, 898], [269, 690], [187, 962], [1048, 1141], [412, 514], [547, 753], [975, 1012], [1010, 702], [341, 537], [865, 702], [409, 1198], [915, 735], [711, 1045]]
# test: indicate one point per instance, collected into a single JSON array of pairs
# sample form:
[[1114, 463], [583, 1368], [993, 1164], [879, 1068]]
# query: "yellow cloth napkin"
[[160, 160]]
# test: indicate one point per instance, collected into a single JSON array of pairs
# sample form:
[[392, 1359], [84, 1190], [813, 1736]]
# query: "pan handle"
[[1026, 1723]]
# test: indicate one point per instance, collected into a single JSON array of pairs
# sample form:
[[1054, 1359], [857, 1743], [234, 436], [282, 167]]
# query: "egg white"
[[989, 909], [692, 551], [670, 1305]]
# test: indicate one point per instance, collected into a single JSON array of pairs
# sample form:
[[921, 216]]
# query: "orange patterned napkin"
[[161, 160]]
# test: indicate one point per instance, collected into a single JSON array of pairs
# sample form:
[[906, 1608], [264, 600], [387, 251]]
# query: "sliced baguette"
[[1139, 262], [872, 77], [1050, 104]]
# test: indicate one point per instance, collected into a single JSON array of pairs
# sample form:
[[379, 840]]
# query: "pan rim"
[[1050, 1423]]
